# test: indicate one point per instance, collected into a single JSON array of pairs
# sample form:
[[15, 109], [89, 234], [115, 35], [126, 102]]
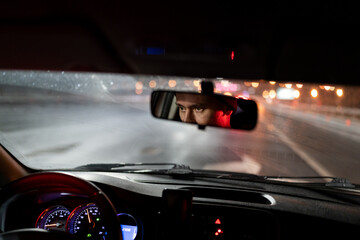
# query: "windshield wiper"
[[335, 181], [131, 167], [176, 170]]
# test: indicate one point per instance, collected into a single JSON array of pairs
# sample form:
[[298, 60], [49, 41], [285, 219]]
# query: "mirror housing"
[[205, 109]]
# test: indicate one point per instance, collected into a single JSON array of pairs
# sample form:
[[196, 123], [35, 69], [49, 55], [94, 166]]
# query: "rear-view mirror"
[[205, 109]]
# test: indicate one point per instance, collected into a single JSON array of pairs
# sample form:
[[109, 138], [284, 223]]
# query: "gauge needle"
[[54, 225], [89, 219]]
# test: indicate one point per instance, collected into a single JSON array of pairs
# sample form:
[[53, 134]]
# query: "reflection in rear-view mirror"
[[205, 109]]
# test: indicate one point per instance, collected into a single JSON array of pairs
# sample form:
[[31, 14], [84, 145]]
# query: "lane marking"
[[317, 167]]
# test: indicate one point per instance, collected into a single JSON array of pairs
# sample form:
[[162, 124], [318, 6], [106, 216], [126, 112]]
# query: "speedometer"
[[53, 218], [86, 222]]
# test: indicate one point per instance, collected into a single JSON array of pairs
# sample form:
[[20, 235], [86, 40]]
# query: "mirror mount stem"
[[207, 87], [201, 127]]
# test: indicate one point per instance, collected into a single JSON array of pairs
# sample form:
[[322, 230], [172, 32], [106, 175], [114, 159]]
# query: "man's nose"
[[189, 116]]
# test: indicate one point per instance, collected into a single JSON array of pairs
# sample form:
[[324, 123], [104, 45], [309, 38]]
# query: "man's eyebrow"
[[198, 106], [192, 106]]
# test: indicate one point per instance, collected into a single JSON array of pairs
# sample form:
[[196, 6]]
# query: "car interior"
[[313, 42]]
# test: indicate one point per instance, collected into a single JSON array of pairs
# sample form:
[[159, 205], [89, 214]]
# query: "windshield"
[[57, 120]]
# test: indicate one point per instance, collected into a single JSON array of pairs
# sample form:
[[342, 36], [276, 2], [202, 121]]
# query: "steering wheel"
[[58, 182]]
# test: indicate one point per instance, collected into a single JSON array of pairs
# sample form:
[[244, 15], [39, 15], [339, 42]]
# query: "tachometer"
[[53, 218], [86, 222]]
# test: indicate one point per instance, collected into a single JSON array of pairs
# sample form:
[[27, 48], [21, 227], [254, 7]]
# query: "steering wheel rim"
[[34, 233], [55, 181]]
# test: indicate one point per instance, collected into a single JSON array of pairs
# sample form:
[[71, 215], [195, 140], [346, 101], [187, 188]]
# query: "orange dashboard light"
[[218, 221]]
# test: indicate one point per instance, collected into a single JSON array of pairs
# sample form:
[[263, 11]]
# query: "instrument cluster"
[[85, 222], [66, 212]]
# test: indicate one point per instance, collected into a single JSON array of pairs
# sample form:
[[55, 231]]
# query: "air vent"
[[232, 195]]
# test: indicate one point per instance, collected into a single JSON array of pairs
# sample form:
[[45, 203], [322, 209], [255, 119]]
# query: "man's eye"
[[181, 108], [198, 109]]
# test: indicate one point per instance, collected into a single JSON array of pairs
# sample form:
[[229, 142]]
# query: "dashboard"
[[150, 207], [65, 212]]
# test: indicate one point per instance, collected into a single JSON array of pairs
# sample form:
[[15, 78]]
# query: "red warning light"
[[232, 55], [219, 232], [218, 221]]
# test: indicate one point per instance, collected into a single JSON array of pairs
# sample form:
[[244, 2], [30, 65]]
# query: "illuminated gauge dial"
[[86, 222], [129, 226], [53, 218]]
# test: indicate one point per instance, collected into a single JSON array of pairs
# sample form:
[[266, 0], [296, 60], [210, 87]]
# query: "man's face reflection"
[[202, 110]]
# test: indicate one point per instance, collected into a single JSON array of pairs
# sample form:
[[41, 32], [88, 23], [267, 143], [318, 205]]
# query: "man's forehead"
[[193, 98]]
